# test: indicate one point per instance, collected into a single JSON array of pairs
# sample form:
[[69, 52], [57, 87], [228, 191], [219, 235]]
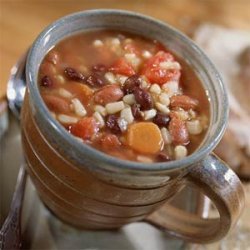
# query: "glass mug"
[[89, 189]]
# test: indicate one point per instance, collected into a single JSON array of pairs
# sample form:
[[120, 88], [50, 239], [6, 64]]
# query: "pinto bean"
[[107, 94], [183, 101], [178, 131], [56, 104]]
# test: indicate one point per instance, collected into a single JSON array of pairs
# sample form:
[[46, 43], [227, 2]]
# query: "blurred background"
[[220, 27], [22, 20]]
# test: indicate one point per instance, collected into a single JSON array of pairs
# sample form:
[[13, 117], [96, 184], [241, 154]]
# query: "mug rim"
[[110, 161]]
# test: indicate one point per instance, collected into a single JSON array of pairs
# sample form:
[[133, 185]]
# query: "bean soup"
[[125, 95]]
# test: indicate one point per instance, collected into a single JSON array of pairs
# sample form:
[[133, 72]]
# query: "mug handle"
[[222, 186]]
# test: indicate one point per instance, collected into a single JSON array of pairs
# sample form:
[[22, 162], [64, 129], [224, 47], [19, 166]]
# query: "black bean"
[[131, 84], [112, 124], [162, 120], [99, 68], [73, 74], [163, 157], [136, 111], [143, 98], [46, 81], [94, 80]]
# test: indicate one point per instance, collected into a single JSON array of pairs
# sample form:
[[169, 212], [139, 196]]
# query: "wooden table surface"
[[22, 20]]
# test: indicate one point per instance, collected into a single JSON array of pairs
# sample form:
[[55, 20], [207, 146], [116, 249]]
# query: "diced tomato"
[[155, 73], [110, 141], [161, 56], [121, 66], [85, 128]]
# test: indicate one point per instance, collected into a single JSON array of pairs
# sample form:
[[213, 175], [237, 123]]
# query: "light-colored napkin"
[[225, 48]]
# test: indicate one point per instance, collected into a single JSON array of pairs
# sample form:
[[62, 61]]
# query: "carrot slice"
[[145, 137]]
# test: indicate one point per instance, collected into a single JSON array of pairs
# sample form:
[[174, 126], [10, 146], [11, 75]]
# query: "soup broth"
[[125, 95]]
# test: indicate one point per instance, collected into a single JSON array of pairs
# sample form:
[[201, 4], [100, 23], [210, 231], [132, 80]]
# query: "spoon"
[[10, 233]]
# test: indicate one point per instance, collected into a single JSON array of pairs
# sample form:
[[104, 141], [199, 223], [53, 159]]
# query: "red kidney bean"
[[143, 98], [178, 131], [162, 120], [94, 80], [112, 124], [183, 101], [131, 84], [107, 94], [46, 81], [163, 157], [99, 68], [135, 108], [73, 74]]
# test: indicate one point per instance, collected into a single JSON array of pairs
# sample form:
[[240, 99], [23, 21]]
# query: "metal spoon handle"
[[10, 233]]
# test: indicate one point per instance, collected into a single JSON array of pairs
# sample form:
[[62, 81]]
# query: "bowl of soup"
[[121, 111]]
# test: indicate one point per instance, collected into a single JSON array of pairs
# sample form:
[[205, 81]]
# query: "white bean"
[[100, 109], [65, 93], [123, 124], [78, 107], [60, 79], [149, 114], [155, 88], [121, 79], [126, 113], [115, 42], [129, 99], [144, 159], [180, 152], [132, 59], [66, 119], [146, 54], [171, 88], [114, 107], [182, 114], [99, 119], [166, 136], [98, 43], [110, 77], [164, 99], [194, 127], [170, 65], [162, 108]]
